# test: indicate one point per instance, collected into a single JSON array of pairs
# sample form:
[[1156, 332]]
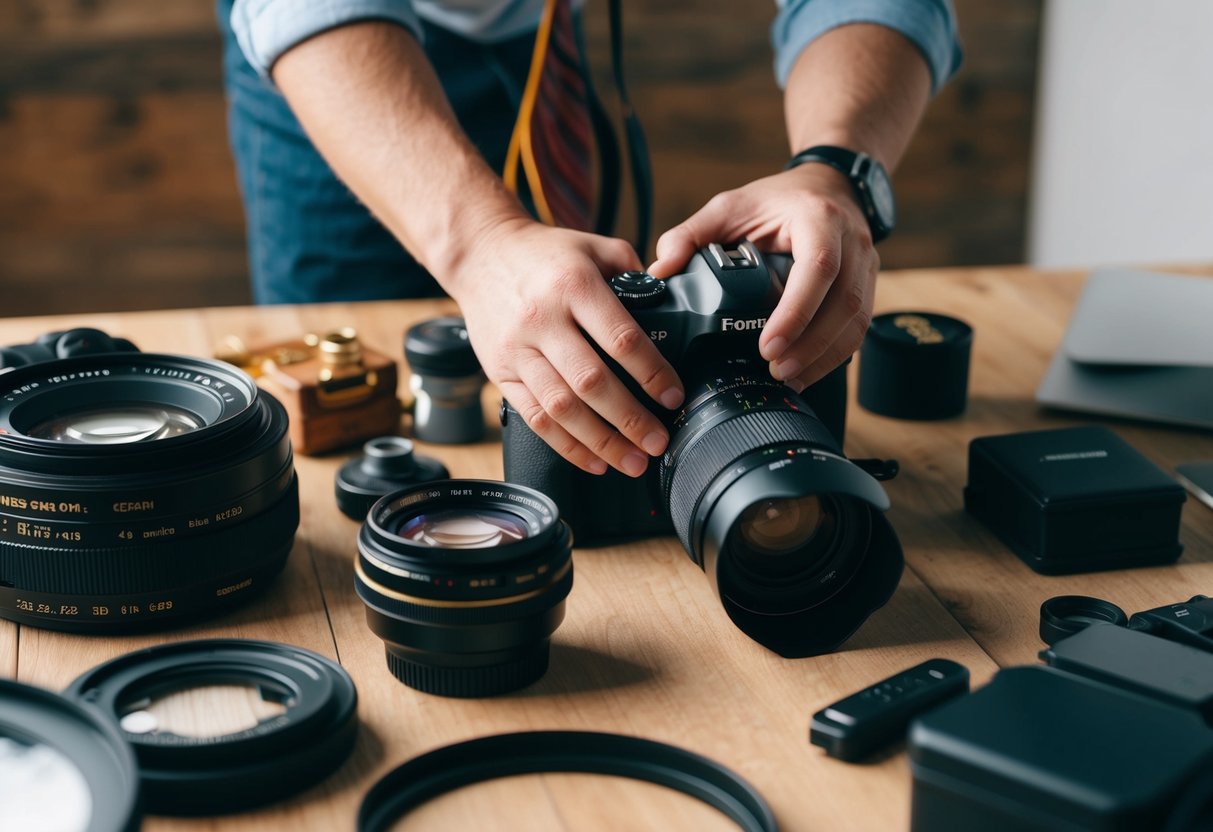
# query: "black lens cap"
[[63, 765], [277, 757], [440, 347], [387, 464], [915, 365], [1065, 615]]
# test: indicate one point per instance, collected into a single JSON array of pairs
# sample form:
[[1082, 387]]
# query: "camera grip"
[[529, 461]]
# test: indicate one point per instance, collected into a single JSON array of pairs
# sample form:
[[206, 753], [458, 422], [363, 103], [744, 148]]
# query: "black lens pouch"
[[1074, 500], [1113, 735]]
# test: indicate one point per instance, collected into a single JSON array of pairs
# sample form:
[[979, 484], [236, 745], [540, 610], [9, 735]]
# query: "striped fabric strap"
[[552, 143]]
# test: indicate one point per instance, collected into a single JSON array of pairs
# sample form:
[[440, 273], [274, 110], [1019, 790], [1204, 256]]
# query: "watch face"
[[882, 195]]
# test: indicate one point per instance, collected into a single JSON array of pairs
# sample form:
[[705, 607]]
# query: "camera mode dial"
[[638, 290]]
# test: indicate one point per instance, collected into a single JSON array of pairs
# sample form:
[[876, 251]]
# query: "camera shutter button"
[[638, 290]]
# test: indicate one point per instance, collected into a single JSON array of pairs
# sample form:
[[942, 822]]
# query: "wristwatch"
[[869, 178]]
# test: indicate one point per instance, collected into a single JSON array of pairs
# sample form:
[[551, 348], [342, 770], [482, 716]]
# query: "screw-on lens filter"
[[1065, 615], [62, 765], [277, 757]]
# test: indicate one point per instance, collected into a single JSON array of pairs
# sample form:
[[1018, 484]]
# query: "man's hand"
[[536, 303], [827, 302]]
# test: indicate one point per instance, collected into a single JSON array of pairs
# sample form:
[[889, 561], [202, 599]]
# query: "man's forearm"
[[860, 86], [372, 105]]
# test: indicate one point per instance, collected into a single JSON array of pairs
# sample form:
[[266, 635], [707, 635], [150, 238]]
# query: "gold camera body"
[[336, 391]]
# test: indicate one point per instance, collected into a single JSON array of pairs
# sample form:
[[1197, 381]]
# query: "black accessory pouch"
[[1074, 500], [1110, 737]]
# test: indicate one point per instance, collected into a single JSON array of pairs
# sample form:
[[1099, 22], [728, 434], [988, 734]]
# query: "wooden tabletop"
[[645, 648]]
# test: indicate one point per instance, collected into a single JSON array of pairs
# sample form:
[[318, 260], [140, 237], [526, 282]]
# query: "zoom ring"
[[159, 565], [720, 444]]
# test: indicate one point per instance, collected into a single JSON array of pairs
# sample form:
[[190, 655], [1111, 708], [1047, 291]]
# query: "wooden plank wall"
[[117, 190]]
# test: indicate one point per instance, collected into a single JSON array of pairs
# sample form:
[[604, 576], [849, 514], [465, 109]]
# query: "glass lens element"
[[118, 424], [462, 529], [782, 526], [40, 788]]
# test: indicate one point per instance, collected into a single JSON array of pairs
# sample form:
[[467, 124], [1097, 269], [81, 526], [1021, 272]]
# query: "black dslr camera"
[[790, 533]]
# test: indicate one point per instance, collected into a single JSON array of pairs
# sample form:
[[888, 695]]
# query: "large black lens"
[[137, 490], [465, 583], [789, 531]]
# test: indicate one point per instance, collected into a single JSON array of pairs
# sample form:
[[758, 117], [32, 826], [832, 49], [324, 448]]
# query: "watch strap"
[[850, 164], [838, 158]]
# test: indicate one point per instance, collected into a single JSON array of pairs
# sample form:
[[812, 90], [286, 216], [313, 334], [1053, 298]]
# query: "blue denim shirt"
[[268, 28]]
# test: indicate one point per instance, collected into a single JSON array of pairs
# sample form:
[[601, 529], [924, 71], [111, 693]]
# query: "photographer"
[[411, 104]]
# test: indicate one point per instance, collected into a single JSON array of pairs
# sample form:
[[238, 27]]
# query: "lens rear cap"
[[388, 464], [275, 758]]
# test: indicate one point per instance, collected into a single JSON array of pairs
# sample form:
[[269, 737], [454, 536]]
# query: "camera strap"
[[551, 153]]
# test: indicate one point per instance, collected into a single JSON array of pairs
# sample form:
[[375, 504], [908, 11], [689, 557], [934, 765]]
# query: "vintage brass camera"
[[337, 391]]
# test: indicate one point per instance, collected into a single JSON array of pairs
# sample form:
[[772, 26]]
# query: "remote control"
[[854, 727]]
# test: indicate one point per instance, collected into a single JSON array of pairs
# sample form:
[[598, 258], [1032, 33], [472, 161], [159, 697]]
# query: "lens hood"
[[275, 758], [67, 767], [841, 596]]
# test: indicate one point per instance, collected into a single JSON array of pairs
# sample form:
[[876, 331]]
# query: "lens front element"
[[116, 425], [783, 526], [455, 529]]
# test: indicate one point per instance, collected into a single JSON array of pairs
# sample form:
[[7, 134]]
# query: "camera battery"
[[1074, 500]]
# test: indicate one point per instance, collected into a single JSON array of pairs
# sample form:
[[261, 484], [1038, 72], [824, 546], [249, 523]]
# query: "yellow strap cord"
[[520, 139]]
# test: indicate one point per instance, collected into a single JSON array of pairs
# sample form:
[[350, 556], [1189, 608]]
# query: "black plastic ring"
[[539, 752], [1065, 615], [214, 775]]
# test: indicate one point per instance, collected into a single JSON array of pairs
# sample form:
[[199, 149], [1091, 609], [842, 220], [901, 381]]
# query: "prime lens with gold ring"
[[465, 582]]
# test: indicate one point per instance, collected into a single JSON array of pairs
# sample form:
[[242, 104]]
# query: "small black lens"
[[138, 490], [465, 581]]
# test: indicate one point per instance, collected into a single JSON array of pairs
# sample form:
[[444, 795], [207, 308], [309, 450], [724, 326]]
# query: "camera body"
[[337, 391], [790, 533], [66, 343], [708, 317]]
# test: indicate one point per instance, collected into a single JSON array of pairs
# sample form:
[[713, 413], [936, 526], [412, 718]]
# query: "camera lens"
[[137, 490], [446, 382], [465, 582], [788, 530]]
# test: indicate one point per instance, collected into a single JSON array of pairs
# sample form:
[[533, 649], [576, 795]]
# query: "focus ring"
[[467, 682], [708, 455], [161, 564]]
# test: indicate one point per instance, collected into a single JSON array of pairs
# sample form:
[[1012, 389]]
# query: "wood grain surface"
[[645, 648]]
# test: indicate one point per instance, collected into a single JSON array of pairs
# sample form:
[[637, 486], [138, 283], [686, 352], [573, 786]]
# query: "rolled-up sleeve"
[[929, 24], [268, 28]]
